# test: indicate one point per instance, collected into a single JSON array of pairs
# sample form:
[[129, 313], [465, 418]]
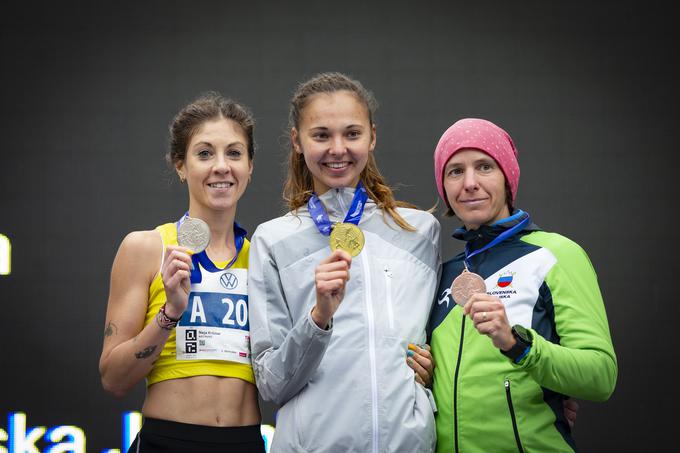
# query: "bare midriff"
[[204, 400]]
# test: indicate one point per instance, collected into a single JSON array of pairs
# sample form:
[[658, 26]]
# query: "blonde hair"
[[299, 184]]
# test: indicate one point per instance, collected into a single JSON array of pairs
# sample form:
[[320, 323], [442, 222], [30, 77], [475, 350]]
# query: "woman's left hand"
[[489, 318], [421, 361]]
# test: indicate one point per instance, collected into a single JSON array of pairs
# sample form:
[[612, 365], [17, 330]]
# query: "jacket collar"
[[337, 203], [487, 233]]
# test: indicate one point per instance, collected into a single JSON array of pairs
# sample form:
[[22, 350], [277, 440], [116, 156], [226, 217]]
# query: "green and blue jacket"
[[485, 401]]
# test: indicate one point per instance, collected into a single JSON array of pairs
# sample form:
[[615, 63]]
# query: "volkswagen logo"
[[228, 280]]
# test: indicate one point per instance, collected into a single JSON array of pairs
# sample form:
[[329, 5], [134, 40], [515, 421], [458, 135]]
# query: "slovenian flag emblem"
[[504, 280]]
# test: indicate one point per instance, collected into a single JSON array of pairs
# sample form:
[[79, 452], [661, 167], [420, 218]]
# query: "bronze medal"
[[465, 285], [348, 237]]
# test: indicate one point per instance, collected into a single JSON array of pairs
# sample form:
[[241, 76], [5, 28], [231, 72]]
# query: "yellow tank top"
[[168, 366]]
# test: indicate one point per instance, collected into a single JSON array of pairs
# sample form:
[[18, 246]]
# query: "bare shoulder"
[[143, 241], [140, 252]]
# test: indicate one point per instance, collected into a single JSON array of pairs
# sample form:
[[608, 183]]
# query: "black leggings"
[[166, 436]]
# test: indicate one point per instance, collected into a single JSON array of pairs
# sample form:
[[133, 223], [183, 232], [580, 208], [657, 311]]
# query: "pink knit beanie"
[[484, 136]]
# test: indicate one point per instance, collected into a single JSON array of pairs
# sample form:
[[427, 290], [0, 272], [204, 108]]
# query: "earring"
[[181, 178]]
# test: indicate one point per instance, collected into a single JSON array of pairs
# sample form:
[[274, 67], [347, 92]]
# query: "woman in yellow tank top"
[[180, 321]]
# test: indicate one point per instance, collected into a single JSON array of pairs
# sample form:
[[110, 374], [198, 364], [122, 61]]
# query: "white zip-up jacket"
[[346, 389]]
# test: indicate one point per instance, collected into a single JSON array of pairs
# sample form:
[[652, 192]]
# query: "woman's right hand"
[[331, 277], [176, 273]]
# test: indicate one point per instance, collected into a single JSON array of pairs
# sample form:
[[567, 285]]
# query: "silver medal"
[[193, 234]]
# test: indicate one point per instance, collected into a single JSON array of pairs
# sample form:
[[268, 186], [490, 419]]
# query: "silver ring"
[[483, 316]]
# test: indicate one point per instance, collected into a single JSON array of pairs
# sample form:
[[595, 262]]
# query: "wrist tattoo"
[[145, 353]]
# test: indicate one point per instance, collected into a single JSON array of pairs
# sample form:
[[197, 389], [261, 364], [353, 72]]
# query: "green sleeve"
[[584, 364]]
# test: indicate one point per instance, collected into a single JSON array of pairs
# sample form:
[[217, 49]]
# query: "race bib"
[[215, 324]]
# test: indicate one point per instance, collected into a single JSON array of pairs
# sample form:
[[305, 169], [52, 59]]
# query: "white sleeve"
[[286, 352]]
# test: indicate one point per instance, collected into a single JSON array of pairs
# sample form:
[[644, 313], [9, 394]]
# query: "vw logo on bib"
[[228, 280]]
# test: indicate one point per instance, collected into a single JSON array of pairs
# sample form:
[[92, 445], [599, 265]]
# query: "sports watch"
[[522, 346]]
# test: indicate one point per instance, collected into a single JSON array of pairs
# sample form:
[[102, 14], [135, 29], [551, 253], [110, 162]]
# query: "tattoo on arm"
[[111, 329], [144, 353]]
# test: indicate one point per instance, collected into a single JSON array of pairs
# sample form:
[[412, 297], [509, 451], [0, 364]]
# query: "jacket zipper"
[[341, 202], [388, 296], [371, 350], [371, 336], [455, 384], [512, 415]]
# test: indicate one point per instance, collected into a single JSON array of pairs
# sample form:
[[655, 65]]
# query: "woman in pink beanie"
[[520, 322]]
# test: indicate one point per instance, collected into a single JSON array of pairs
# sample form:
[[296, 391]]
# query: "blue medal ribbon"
[[202, 258], [320, 217], [500, 238]]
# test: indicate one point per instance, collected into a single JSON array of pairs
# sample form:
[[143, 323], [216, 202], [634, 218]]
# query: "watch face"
[[522, 333]]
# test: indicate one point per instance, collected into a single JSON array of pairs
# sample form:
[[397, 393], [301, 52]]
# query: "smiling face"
[[475, 188], [335, 136], [217, 167]]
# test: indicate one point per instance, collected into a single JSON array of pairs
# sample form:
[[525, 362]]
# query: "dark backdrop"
[[587, 90]]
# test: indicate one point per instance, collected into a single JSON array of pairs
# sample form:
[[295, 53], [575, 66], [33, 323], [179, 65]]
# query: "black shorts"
[[166, 436]]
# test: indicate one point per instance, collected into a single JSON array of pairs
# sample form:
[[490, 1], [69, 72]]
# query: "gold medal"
[[347, 237], [465, 285]]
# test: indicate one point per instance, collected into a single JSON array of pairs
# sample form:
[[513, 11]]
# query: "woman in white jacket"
[[333, 351]]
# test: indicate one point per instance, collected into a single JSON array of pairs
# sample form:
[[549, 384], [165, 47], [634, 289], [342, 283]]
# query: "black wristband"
[[523, 342]]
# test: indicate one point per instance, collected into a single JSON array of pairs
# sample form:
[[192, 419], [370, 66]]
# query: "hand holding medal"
[[331, 276], [193, 236], [469, 291], [346, 241], [489, 318], [486, 312]]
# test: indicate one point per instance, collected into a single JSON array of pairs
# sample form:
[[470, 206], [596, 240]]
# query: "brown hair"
[[299, 184], [209, 106]]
